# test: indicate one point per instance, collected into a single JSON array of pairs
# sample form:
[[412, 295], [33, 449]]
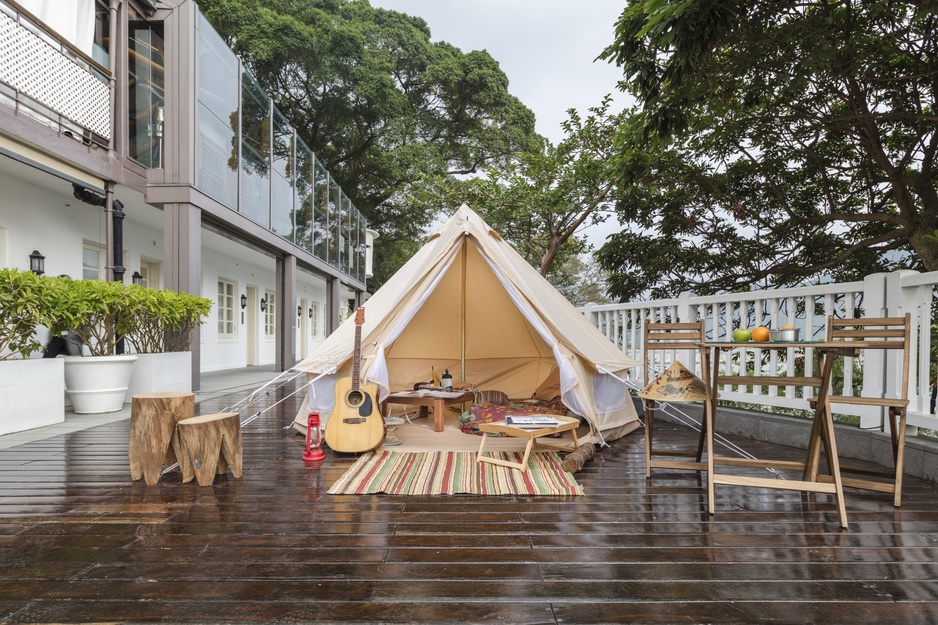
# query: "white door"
[[250, 325], [303, 322], [150, 271]]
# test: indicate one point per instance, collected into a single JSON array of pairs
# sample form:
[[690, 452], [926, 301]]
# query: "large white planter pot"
[[98, 384], [32, 394], [161, 373]]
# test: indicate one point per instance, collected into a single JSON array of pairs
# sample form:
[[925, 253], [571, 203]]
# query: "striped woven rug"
[[454, 473]]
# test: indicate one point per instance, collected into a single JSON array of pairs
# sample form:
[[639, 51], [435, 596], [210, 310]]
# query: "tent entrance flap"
[[378, 371]]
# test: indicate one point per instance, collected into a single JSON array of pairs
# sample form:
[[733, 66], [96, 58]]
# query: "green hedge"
[[25, 300], [99, 313]]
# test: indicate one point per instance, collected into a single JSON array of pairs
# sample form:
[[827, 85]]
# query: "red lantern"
[[313, 439]]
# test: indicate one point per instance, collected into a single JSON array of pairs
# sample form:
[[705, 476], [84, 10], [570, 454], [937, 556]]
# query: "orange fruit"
[[761, 334], [787, 326]]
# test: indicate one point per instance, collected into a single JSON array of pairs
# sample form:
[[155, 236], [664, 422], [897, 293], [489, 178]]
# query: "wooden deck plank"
[[81, 542]]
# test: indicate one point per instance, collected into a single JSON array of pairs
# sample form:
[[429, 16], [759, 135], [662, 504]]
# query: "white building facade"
[[134, 145]]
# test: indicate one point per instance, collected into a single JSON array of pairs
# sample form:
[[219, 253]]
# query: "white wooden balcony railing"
[[807, 308], [50, 80]]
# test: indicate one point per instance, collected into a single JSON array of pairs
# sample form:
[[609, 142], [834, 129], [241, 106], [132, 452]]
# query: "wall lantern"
[[310, 313], [244, 302], [137, 278], [37, 263], [263, 304], [299, 311]]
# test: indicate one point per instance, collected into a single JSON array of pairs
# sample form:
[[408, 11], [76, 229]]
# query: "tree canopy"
[[382, 106], [540, 201], [776, 142]]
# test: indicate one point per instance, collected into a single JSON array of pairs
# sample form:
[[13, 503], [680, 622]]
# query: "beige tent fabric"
[[463, 318]]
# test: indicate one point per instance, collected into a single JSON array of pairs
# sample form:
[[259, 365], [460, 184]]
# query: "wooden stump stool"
[[153, 418], [208, 445]]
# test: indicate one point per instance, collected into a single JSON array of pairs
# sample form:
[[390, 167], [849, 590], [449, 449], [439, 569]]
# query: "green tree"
[[383, 107], [777, 142], [581, 280], [541, 201]]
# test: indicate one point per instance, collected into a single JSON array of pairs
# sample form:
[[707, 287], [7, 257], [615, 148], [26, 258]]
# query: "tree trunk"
[[923, 240]]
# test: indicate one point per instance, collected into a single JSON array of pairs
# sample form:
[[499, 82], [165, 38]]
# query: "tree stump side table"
[[153, 418], [208, 445]]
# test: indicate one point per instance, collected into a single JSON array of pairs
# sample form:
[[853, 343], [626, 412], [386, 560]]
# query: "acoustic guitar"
[[356, 424]]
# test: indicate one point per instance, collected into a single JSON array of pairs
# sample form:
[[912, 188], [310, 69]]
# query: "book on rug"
[[532, 421]]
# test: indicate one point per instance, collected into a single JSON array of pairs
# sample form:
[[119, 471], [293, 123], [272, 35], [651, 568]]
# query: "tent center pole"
[[462, 359]]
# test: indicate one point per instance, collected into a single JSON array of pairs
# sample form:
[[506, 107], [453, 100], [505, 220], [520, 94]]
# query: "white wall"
[[229, 353], [48, 221], [312, 289]]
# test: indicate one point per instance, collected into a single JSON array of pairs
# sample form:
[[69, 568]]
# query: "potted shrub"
[[98, 314], [32, 390], [160, 334]]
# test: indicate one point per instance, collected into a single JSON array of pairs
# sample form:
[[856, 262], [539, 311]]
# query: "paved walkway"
[[214, 384]]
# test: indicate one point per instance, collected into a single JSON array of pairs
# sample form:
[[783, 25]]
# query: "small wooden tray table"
[[566, 424]]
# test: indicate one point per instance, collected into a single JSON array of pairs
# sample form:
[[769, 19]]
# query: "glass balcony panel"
[[335, 232], [282, 207], [321, 212], [255, 152], [282, 188], [217, 117], [345, 234], [303, 197], [216, 175]]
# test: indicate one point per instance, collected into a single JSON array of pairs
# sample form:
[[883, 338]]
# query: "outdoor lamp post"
[[37, 263]]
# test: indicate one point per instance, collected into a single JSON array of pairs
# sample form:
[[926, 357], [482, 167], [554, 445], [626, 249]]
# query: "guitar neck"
[[356, 360]]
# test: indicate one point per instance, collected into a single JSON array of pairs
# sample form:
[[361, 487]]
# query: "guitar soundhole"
[[355, 398]]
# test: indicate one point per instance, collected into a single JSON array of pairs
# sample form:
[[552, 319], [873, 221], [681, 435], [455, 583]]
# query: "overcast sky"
[[545, 47]]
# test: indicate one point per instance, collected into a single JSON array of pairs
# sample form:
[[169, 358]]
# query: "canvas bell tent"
[[469, 303]]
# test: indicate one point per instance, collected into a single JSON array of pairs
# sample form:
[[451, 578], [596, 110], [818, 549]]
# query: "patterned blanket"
[[493, 412]]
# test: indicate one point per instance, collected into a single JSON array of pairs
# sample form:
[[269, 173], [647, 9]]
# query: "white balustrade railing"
[[873, 373]]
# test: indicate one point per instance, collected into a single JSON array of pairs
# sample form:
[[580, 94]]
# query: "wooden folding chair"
[[671, 337], [882, 333]]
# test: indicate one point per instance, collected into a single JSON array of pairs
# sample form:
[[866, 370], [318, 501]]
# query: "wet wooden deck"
[[81, 543]]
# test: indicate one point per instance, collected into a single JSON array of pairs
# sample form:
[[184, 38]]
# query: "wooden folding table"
[[822, 430]]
